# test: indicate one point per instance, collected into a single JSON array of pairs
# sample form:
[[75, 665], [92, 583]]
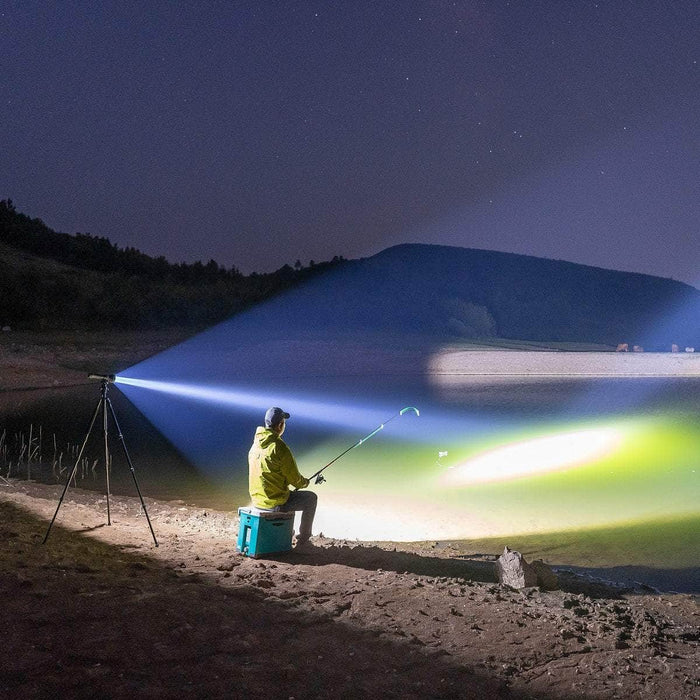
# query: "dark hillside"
[[464, 293], [95, 253], [57, 280], [547, 300]]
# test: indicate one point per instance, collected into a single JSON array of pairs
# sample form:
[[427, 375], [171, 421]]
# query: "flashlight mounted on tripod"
[[104, 406], [108, 378]]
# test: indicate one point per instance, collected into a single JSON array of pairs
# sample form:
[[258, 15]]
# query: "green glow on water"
[[404, 492]]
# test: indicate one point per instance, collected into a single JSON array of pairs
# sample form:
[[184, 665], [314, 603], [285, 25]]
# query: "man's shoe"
[[304, 545]]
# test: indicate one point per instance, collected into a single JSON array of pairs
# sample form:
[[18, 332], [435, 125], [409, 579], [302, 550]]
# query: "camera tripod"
[[102, 405]]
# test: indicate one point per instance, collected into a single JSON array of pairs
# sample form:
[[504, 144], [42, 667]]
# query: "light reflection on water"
[[65, 413], [198, 452]]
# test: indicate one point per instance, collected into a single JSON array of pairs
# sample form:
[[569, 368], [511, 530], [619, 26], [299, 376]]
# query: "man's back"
[[271, 470]]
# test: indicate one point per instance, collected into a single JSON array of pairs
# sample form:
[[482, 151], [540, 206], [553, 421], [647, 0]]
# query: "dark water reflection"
[[560, 397], [161, 470]]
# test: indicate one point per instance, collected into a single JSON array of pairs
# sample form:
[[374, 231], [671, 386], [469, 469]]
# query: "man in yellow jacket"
[[273, 469]]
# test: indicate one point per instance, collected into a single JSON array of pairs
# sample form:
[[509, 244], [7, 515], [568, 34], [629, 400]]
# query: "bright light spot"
[[537, 456], [194, 391]]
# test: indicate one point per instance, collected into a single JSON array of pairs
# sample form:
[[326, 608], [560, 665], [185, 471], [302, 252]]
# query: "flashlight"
[[103, 377]]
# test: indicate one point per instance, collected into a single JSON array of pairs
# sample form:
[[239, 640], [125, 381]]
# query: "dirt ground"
[[99, 611]]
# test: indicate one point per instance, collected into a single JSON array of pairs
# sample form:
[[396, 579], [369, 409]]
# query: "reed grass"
[[34, 454]]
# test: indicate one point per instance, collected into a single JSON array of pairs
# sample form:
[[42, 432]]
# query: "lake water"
[[500, 456]]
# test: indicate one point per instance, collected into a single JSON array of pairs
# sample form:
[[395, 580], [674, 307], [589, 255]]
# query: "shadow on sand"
[[104, 622]]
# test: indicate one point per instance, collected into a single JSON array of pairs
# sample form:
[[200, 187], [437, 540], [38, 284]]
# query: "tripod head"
[[105, 381]]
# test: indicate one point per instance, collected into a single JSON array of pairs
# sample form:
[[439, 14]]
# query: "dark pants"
[[305, 501]]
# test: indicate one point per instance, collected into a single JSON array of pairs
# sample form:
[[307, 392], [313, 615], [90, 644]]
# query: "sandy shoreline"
[[100, 611], [514, 363]]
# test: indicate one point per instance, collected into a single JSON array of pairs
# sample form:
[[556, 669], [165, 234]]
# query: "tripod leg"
[[131, 467], [75, 468], [106, 442]]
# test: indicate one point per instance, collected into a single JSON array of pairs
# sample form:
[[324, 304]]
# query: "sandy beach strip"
[[516, 363]]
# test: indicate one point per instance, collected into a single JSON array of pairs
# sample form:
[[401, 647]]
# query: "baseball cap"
[[274, 416]]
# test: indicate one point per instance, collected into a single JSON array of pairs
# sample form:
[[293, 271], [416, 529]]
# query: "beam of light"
[[334, 413], [394, 489], [339, 376], [346, 415], [537, 456]]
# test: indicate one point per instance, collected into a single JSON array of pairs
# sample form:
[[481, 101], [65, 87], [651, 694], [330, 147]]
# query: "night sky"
[[258, 133]]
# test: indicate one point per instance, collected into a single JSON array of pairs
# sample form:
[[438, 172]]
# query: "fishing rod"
[[319, 478]]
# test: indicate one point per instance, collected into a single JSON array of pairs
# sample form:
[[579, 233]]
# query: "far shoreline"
[[34, 360]]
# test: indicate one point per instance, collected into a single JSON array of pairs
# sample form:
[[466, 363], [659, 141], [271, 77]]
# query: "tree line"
[[86, 281]]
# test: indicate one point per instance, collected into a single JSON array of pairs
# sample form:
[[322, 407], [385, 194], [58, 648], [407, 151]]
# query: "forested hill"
[[59, 280], [55, 280]]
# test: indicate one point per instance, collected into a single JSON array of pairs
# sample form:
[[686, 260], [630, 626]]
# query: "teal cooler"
[[263, 532]]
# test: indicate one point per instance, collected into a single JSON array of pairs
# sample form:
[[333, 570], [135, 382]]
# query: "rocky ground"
[[99, 611]]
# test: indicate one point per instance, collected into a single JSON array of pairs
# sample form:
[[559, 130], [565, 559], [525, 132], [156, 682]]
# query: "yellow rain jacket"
[[271, 470]]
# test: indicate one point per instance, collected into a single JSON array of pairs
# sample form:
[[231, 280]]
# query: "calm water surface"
[[418, 478]]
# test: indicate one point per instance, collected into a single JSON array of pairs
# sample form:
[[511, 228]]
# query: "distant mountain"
[[450, 292]]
